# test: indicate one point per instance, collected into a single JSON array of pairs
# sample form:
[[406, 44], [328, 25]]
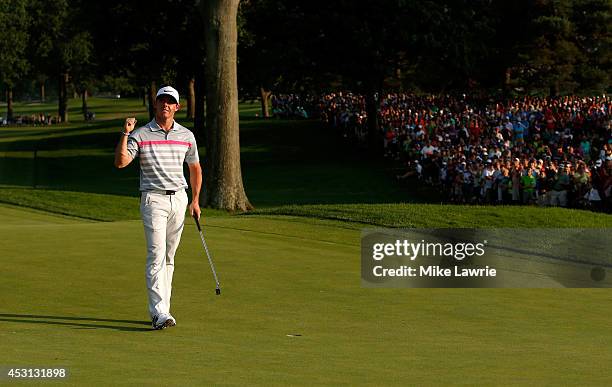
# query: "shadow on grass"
[[49, 320], [284, 162], [69, 138]]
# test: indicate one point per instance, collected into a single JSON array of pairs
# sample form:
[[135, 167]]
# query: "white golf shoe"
[[163, 321]]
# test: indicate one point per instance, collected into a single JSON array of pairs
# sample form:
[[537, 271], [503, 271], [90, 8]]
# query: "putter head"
[[218, 291]]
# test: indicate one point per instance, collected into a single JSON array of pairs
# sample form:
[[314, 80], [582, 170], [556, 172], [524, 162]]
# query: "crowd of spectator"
[[549, 151], [32, 119], [292, 105]]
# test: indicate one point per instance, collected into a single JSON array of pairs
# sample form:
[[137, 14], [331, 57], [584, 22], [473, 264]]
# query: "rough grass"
[[115, 208], [434, 215]]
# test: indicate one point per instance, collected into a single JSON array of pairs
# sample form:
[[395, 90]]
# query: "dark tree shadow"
[[45, 319]]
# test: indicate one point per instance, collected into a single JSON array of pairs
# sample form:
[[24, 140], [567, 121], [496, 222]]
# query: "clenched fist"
[[130, 123]]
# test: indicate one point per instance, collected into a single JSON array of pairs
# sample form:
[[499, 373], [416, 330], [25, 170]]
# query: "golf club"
[[212, 266]]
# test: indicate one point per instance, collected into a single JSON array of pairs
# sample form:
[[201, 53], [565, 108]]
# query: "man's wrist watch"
[[125, 133]]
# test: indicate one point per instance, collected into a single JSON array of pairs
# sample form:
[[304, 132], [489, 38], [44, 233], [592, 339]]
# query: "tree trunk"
[[63, 98], [265, 101], [223, 176], [42, 91], [152, 94], [199, 120], [191, 99], [84, 107], [9, 104]]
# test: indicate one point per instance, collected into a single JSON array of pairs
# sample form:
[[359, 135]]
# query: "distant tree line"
[[545, 47]]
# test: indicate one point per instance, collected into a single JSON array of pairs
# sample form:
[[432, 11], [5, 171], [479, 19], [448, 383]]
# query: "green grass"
[[114, 208], [78, 204], [434, 215], [283, 162], [72, 292], [104, 108], [101, 207], [74, 296]]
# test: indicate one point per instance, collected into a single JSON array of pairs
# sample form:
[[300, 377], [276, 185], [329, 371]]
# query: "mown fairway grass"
[[292, 310], [73, 295]]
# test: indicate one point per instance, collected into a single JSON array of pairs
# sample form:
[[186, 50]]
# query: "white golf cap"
[[168, 90]]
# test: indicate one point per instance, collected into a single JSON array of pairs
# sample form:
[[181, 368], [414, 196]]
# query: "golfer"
[[163, 146]]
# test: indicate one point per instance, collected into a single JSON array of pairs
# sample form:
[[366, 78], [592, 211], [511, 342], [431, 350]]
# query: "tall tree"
[[452, 41], [275, 43], [45, 30], [151, 43], [364, 42], [222, 173], [61, 44], [84, 76], [74, 53], [549, 59], [139, 47], [13, 41], [593, 35], [510, 35]]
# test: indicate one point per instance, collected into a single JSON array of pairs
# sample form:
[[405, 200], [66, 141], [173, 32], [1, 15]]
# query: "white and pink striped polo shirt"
[[162, 155]]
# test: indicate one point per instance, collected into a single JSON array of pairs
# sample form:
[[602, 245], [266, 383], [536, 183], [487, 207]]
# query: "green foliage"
[[47, 30], [568, 48], [13, 40], [142, 42], [549, 46], [118, 84], [593, 35], [542, 47], [76, 50]]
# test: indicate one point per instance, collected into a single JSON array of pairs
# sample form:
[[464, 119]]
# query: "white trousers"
[[163, 217]]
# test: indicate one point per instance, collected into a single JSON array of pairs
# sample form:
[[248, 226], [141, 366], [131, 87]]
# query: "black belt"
[[162, 192]]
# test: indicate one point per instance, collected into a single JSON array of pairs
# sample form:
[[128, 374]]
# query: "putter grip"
[[197, 223]]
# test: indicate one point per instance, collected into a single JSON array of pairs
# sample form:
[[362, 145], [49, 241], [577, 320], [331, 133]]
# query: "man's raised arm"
[[122, 157]]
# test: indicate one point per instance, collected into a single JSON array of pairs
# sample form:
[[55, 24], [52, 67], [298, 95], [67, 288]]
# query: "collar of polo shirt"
[[154, 126]]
